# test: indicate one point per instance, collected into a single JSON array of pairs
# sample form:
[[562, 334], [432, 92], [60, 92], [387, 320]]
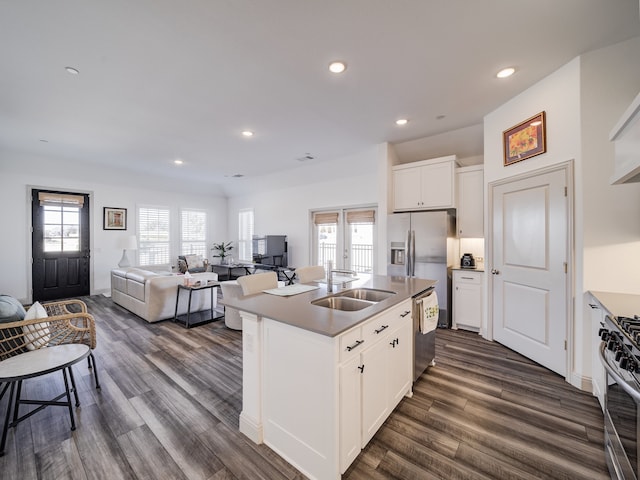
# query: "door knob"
[[495, 272]]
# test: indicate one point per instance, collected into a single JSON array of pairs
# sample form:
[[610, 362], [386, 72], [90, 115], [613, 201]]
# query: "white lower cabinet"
[[318, 400], [373, 381], [467, 300], [598, 376]]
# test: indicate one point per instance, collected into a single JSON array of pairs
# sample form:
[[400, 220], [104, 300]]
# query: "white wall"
[[559, 96], [610, 81], [580, 100], [348, 181], [18, 172]]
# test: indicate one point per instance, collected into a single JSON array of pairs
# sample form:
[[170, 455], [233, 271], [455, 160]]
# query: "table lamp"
[[129, 243]]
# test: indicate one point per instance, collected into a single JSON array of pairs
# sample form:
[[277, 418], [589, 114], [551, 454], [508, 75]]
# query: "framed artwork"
[[525, 140], [115, 218]]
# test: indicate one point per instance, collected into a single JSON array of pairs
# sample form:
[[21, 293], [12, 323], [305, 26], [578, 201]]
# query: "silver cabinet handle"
[[495, 272]]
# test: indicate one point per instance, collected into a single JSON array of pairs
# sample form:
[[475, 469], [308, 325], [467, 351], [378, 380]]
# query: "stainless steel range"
[[620, 355]]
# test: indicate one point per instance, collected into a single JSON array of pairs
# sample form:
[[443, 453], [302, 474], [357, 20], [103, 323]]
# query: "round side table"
[[33, 364]]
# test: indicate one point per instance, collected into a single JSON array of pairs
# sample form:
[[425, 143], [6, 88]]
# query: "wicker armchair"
[[68, 322]]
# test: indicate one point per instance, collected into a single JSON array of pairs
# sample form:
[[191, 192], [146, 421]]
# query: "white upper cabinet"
[[425, 185], [470, 202], [626, 139]]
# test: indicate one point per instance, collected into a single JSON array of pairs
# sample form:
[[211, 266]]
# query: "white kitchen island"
[[318, 382]]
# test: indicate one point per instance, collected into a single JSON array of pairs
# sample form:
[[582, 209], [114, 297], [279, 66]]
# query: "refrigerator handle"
[[407, 260], [411, 269]]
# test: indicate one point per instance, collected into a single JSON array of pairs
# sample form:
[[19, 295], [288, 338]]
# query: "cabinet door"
[[437, 182], [598, 377], [350, 421], [467, 300], [471, 204], [406, 189], [375, 389], [400, 365]]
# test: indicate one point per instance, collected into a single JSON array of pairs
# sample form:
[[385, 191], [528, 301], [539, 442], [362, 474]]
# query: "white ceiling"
[[167, 79]]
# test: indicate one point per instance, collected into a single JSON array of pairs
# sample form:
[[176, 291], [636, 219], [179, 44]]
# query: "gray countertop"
[[296, 310], [618, 304]]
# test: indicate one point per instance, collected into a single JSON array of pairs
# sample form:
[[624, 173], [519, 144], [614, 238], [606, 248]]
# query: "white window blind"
[[193, 232], [245, 234], [154, 238]]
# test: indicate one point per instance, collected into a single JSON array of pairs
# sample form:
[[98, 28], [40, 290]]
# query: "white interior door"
[[530, 228]]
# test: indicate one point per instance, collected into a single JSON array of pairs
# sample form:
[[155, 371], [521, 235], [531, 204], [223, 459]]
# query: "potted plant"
[[222, 250]]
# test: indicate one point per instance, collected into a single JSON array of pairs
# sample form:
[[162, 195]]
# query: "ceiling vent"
[[306, 157]]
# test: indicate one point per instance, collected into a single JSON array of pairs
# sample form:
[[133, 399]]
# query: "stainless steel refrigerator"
[[424, 245]]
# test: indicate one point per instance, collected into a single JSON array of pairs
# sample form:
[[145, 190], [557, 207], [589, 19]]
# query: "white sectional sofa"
[[152, 294]]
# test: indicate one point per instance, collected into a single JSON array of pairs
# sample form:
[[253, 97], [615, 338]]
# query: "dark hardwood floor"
[[170, 400]]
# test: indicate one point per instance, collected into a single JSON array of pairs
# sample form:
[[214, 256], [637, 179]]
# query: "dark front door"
[[60, 245]]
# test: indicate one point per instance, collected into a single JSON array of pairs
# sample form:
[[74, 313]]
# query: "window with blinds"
[[193, 232], [245, 234], [153, 235]]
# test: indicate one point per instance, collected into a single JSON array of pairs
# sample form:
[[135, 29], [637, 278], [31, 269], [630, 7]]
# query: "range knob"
[[604, 334], [618, 354], [611, 344], [632, 366]]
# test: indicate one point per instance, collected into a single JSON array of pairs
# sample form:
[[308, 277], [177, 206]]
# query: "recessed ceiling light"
[[247, 133], [402, 121], [506, 72], [72, 71], [44, 140], [440, 117], [337, 67], [178, 161]]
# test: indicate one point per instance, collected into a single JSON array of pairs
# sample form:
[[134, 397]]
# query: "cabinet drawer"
[[351, 343], [468, 277], [379, 326]]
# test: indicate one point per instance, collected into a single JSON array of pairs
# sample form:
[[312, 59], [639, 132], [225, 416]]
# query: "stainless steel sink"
[[342, 303], [369, 294], [353, 299]]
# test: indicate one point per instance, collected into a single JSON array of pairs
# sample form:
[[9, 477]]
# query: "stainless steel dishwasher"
[[424, 344]]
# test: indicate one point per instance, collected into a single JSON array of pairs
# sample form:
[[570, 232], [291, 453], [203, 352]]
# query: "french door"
[[60, 245], [345, 237]]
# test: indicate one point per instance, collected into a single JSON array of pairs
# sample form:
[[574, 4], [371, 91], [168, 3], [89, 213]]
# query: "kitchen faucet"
[[331, 271]]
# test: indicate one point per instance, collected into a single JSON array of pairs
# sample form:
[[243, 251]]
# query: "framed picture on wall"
[[525, 140], [115, 218]]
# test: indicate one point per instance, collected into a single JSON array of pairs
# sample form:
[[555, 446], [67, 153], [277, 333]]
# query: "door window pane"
[[61, 223], [327, 244], [361, 247], [346, 237]]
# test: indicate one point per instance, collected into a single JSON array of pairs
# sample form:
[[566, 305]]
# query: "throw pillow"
[[182, 266], [37, 334], [194, 261], [11, 310]]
